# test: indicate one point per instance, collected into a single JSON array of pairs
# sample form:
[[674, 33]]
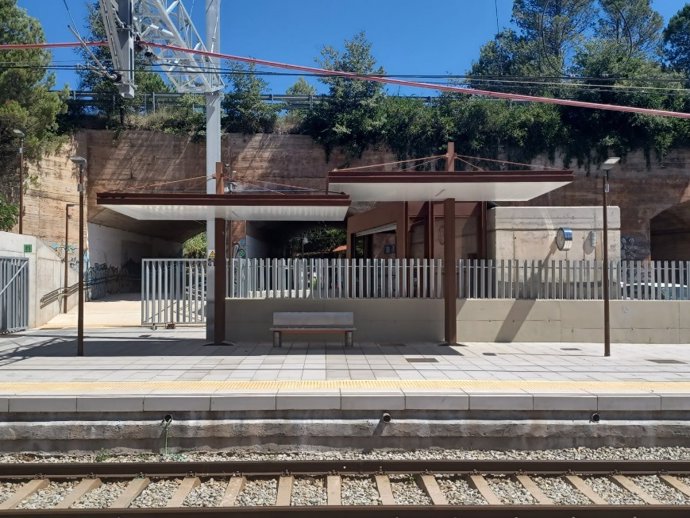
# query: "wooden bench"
[[316, 322]]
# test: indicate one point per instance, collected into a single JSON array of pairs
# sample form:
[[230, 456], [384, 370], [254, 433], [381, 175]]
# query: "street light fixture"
[[81, 162], [64, 295], [606, 167], [20, 134]]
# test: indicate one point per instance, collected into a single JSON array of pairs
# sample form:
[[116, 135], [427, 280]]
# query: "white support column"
[[213, 134]]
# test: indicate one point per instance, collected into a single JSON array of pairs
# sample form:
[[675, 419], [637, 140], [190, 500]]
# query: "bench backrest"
[[313, 319]]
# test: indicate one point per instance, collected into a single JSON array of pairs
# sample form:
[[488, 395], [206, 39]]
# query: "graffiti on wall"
[[634, 248]]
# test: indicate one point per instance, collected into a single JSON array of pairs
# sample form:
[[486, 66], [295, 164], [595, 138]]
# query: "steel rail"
[[381, 511], [9, 471]]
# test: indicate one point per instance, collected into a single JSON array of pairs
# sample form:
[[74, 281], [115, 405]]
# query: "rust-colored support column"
[[450, 157], [429, 231], [402, 230], [450, 274], [220, 181], [220, 283], [482, 237]]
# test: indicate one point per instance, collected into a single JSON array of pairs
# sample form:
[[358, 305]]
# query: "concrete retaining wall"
[[632, 321], [46, 273], [415, 320], [390, 320]]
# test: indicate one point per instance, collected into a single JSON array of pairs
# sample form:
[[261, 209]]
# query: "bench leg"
[[276, 339], [348, 339]]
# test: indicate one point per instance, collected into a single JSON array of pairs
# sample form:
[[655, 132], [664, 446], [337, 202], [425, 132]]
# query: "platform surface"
[[136, 368]]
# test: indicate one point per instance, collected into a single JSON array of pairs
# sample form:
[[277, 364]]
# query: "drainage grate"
[[422, 360], [669, 362], [489, 354], [570, 349]]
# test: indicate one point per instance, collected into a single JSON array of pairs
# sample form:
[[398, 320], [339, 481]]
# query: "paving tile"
[[629, 402], [110, 404], [321, 400], [572, 402], [675, 402], [241, 401], [47, 404], [166, 403], [432, 400], [368, 400], [505, 402]]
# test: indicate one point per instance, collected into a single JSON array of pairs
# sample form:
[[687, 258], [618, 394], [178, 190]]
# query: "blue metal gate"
[[14, 294]]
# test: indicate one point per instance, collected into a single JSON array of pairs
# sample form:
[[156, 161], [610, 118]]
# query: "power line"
[[395, 81]]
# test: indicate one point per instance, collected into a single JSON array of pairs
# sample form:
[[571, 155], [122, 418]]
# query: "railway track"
[[492, 489]]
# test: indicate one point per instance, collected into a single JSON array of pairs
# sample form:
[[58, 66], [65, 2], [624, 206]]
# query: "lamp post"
[[81, 162], [20, 134], [64, 295], [606, 167]]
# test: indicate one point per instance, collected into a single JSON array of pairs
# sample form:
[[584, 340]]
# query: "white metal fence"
[[14, 294], [573, 280], [173, 291], [335, 278]]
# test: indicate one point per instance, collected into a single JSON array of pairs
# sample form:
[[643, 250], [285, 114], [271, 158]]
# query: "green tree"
[[555, 27], [195, 247], [26, 101], [297, 110], [631, 24], [9, 214], [615, 77], [351, 114], [110, 103], [676, 38], [414, 128], [507, 55], [245, 111]]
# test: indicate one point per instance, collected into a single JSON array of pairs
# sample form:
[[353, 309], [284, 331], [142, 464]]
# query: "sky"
[[407, 36]]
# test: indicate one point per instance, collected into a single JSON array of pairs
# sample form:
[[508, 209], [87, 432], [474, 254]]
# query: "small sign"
[[28, 249]]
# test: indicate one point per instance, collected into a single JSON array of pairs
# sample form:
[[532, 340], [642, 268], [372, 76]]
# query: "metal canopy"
[[462, 186], [251, 207]]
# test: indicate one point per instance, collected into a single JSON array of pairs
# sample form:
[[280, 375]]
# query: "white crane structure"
[[167, 22]]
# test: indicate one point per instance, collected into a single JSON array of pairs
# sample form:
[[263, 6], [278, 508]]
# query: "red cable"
[[442, 88], [385, 80]]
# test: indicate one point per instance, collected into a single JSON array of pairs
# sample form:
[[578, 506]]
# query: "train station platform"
[[132, 377]]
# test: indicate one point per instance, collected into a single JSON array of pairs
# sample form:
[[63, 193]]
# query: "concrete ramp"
[[118, 310]]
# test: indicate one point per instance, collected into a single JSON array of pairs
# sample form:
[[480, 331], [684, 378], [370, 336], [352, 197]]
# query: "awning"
[[436, 186], [233, 206]]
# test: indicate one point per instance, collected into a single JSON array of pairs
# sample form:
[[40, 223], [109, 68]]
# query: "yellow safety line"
[[210, 387]]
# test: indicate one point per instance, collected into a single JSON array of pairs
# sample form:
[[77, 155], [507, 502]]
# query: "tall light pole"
[[20, 134], [81, 162], [64, 294], [606, 167]]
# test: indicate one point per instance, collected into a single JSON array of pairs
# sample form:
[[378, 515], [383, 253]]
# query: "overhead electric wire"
[[385, 80]]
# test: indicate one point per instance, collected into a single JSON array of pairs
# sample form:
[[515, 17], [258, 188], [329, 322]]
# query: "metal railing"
[[14, 294], [173, 291], [573, 280], [335, 278]]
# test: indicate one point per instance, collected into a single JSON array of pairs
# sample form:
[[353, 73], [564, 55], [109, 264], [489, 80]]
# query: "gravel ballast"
[[458, 491], [309, 491], [359, 491], [259, 492], [101, 497], [48, 497]]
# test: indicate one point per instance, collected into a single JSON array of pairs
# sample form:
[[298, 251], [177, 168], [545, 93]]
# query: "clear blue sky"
[[408, 36]]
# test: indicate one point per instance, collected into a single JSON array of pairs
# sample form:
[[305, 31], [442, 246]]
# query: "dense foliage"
[[606, 51], [26, 101]]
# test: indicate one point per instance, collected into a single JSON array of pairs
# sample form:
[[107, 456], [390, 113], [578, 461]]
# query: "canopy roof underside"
[[433, 186], [252, 207]]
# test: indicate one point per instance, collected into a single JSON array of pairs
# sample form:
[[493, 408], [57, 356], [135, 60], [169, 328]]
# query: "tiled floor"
[[138, 354]]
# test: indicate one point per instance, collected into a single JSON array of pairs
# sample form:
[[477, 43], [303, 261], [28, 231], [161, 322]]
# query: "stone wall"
[[642, 189], [143, 160]]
